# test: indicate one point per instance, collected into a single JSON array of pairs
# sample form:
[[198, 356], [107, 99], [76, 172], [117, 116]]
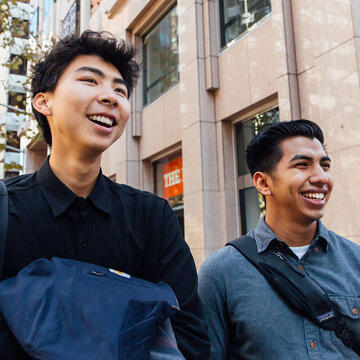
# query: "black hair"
[[47, 71], [263, 152]]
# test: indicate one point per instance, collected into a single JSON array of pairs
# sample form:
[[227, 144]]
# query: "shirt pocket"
[[350, 307]]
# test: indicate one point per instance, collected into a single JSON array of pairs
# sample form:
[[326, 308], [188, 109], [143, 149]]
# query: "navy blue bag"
[[62, 309]]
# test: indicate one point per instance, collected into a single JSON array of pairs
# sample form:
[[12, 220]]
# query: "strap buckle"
[[345, 335]]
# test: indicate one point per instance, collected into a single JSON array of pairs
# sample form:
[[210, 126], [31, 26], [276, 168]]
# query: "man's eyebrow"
[[301, 157], [101, 74], [325, 158], [91, 69], [308, 158], [120, 81]]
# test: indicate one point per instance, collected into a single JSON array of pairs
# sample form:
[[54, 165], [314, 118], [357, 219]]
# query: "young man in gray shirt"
[[247, 318]]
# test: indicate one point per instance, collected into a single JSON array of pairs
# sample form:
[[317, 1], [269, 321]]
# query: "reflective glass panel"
[[252, 207], [245, 131], [237, 16], [161, 57]]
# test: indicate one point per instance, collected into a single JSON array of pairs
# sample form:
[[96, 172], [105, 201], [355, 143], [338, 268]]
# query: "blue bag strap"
[[3, 223]]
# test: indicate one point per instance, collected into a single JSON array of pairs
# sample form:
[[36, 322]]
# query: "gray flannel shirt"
[[248, 320]]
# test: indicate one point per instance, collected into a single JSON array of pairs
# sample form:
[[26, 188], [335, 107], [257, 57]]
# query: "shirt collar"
[[60, 197], [264, 235]]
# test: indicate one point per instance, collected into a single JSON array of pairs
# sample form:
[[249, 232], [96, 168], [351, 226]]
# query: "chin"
[[314, 217], [99, 146]]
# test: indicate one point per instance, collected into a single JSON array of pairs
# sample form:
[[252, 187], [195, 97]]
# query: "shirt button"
[[313, 345], [84, 244], [301, 268], [355, 311], [316, 249]]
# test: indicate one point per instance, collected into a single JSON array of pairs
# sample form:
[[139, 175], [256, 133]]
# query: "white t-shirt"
[[300, 251]]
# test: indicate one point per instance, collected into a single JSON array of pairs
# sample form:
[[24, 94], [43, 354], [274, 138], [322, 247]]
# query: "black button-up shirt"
[[116, 226]]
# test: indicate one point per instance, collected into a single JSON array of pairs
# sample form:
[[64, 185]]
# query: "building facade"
[[50, 20], [12, 89], [215, 72]]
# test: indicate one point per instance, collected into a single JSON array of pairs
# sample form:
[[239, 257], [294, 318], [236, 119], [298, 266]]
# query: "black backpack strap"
[[3, 223], [298, 290]]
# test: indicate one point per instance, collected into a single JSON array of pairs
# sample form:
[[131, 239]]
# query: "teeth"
[[314, 195], [101, 119]]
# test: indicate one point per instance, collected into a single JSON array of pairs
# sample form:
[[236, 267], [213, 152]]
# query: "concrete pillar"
[[203, 223], [84, 15], [288, 87], [356, 24]]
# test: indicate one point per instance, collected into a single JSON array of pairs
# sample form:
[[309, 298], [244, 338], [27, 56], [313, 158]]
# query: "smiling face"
[[301, 183], [89, 108]]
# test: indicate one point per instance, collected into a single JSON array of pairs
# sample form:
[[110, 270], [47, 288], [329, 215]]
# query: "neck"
[[293, 233], [77, 173]]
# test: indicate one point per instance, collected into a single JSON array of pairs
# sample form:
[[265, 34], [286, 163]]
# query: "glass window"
[[34, 22], [237, 16], [71, 22], [18, 64], [252, 207], [12, 141], [11, 173], [21, 28], [161, 57], [252, 203], [16, 100], [168, 183]]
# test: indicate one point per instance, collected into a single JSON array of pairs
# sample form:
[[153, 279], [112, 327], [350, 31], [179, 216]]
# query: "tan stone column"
[[202, 214], [84, 15], [356, 24], [288, 87]]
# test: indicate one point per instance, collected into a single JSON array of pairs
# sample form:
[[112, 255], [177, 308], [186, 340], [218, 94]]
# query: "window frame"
[[244, 181], [24, 26], [146, 88], [15, 104], [157, 184], [23, 66], [223, 43]]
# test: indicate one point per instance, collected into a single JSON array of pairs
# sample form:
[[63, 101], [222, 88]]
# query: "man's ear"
[[262, 182], [41, 104]]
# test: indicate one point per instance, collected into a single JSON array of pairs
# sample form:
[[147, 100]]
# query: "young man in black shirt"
[[68, 209]]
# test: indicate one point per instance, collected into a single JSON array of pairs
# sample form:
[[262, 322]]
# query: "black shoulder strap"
[[298, 290], [3, 223]]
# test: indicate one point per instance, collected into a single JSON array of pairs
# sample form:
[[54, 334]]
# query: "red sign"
[[172, 178]]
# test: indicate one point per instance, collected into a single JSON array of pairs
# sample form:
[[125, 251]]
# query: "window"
[[71, 22], [168, 183], [21, 28], [34, 23], [16, 100], [237, 16], [161, 58], [252, 203], [11, 173], [12, 141], [18, 65]]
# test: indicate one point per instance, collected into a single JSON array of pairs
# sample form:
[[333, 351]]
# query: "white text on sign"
[[172, 178]]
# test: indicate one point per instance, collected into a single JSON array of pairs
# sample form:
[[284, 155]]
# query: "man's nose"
[[108, 98], [319, 175]]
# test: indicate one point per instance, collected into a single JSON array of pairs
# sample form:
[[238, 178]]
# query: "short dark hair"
[[263, 152], [47, 71]]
